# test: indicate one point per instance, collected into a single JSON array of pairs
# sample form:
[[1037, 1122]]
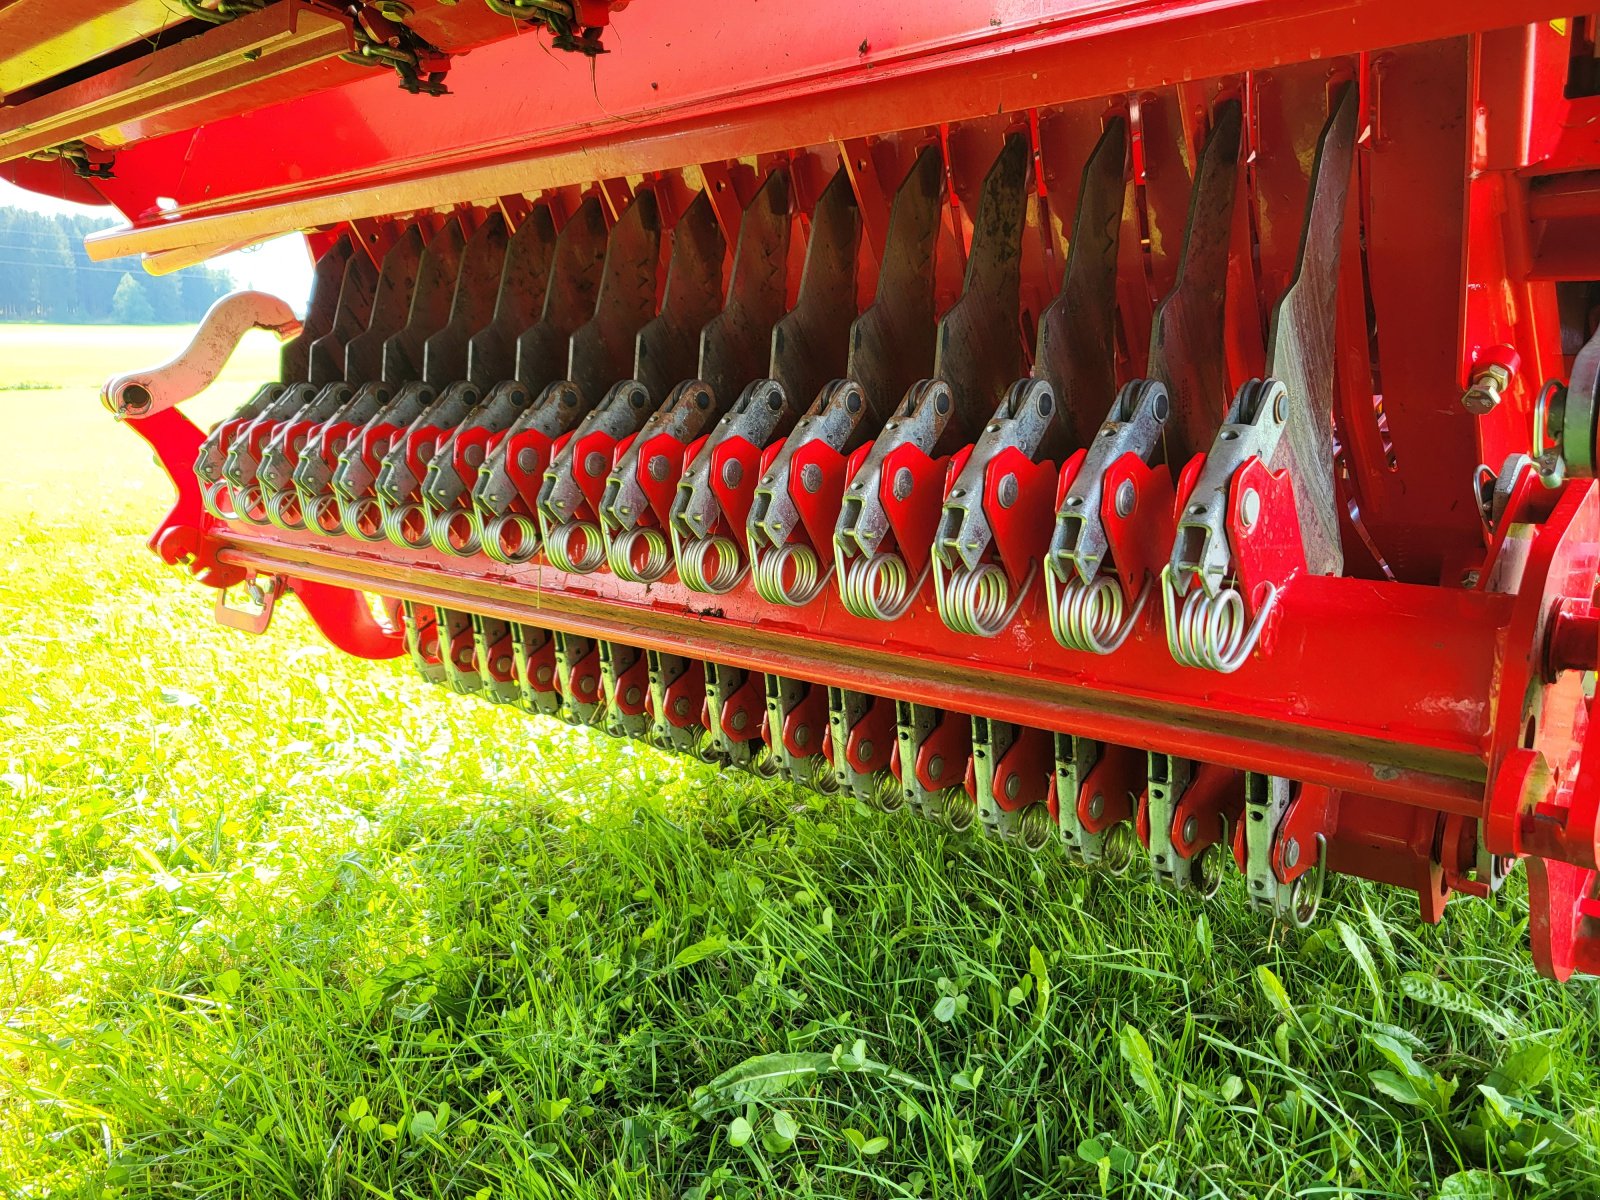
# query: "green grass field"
[[274, 923]]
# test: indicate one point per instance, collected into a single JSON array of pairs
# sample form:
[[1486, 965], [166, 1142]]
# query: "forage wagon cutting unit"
[[1152, 430]]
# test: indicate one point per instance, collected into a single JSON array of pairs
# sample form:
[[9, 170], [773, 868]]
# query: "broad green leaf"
[[703, 949], [776, 1074], [1141, 1064], [1363, 956], [422, 1124], [739, 1132], [228, 982], [874, 1146], [1468, 1185], [1272, 988], [1522, 1071], [1439, 993], [358, 1108], [1041, 975], [945, 1009], [1397, 1087]]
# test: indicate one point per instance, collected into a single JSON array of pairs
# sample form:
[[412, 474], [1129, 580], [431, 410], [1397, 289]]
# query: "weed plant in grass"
[[274, 923]]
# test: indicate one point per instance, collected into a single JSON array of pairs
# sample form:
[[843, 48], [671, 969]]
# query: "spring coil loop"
[[1089, 616], [639, 555], [724, 552], [495, 543], [397, 520], [887, 794], [283, 510], [959, 809], [1210, 632], [247, 504], [878, 588], [444, 525], [211, 499], [322, 511], [356, 515], [558, 547], [977, 600], [790, 575], [1035, 827]]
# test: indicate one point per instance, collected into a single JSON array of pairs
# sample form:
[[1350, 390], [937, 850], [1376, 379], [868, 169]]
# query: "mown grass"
[[275, 923]]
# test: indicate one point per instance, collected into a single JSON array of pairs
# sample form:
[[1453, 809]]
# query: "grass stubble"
[[275, 923]]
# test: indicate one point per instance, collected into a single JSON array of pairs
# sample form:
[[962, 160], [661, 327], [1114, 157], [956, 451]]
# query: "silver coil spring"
[[589, 554], [399, 519], [790, 575], [693, 557], [457, 532], [877, 587], [283, 510], [510, 538], [355, 515], [1089, 617], [211, 494], [248, 505], [958, 809], [1210, 632], [977, 600], [639, 555], [1036, 829], [321, 511]]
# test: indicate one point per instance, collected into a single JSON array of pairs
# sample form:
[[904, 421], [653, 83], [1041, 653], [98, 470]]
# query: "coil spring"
[[693, 556], [1210, 632], [790, 575], [877, 587], [443, 524], [821, 777], [397, 518], [622, 554], [248, 506], [886, 794], [1121, 848], [762, 763], [958, 809], [494, 542], [1089, 616], [211, 498], [1035, 827], [977, 600], [356, 515], [281, 514], [1210, 865], [558, 547], [322, 510]]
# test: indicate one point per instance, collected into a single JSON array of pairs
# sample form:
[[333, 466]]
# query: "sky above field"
[[281, 266]]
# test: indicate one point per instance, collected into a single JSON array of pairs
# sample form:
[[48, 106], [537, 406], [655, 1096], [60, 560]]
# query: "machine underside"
[[1179, 454]]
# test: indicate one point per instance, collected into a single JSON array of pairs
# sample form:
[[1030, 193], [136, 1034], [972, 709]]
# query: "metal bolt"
[[632, 695], [802, 736], [866, 751], [1125, 498], [935, 768], [903, 484], [474, 455], [1013, 786], [527, 460], [1485, 393], [1249, 507], [1097, 806], [594, 463], [811, 477], [739, 720], [680, 706], [1291, 852], [732, 472], [1469, 579], [658, 468], [1191, 830], [1007, 491]]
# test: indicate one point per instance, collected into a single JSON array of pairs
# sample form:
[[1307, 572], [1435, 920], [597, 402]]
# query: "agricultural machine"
[[1148, 431]]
